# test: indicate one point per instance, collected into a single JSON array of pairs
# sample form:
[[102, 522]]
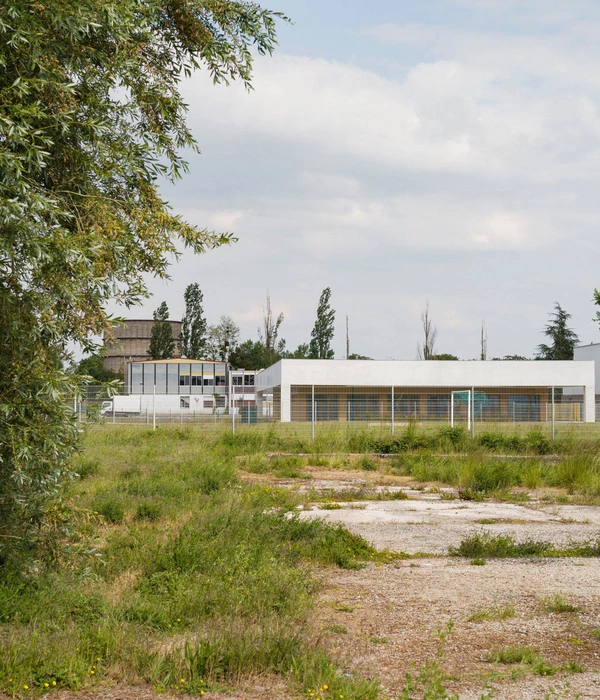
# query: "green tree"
[[563, 338], [322, 332], [91, 117], [444, 356], [162, 344], [193, 339], [250, 354], [302, 352], [93, 366], [223, 339], [357, 356]]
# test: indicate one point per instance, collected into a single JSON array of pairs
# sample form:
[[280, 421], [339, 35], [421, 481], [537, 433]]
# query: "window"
[[173, 378], [161, 379], [209, 381], [236, 380], [220, 375], [184, 402], [184, 374], [136, 378], [248, 380]]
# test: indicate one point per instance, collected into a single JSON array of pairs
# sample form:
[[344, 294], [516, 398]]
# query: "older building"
[[130, 343]]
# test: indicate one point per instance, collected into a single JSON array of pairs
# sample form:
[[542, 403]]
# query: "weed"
[[329, 505], [558, 604], [368, 464], [478, 562], [484, 545], [573, 667], [148, 511], [524, 655], [110, 508], [378, 640], [86, 467], [494, 613], [337, 629], [342, 607]]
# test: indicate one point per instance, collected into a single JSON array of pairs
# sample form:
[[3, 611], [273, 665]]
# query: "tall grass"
[[200, 579]]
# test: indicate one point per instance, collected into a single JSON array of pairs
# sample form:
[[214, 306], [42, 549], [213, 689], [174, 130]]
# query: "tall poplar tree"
[[193, 325], [322, 332], [162, 345]]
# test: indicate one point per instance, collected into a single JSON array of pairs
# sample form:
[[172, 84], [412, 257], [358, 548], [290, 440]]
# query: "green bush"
[[148, 511], [110, 508]]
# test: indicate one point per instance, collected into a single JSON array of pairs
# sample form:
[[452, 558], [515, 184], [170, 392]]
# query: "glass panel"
[[173, 377], [249, 380], [148, 378], [237, 380], [220, 375], [161, 379], [136, 378], [184, 374], [196, 378]]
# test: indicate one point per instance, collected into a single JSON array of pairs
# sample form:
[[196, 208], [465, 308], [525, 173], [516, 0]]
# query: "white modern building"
[[349, 390]]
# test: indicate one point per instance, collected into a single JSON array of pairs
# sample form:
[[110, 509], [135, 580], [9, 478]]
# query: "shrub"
[[148, 511], [110, 508]]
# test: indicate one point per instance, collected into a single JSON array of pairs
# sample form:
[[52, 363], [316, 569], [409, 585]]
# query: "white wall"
[[419, 373], [590, 353]]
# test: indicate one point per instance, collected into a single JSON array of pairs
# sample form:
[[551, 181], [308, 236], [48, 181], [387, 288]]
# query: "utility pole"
[[347, 340]]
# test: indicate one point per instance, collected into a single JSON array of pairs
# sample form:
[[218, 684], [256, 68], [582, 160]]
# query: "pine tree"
[[162, 345], [563, 338], [193, 326], [322, 333]]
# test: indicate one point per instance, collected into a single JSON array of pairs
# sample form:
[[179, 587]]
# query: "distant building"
[[390, 391], [591, 352], [130, 343], [180, 385]]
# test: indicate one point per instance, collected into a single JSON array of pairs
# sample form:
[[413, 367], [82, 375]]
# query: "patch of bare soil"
[[391, 614]]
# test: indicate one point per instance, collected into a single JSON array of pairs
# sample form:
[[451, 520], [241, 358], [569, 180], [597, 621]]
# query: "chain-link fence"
[[312, 410]]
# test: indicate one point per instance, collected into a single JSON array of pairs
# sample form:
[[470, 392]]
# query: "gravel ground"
[[432, 525], [391, 614]]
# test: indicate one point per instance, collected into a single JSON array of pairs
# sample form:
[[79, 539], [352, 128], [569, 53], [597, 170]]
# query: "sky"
[[445, 151]]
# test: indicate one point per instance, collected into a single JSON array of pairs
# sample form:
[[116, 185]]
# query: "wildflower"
[[53, 682], [46, 685], [182, 680], [92, 673], [26, 687]]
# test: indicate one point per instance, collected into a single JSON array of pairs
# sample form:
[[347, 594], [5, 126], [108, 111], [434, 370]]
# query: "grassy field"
[[198, 581], [195, 580]]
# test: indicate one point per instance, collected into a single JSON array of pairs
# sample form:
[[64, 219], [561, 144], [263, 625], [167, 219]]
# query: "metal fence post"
[[473, 412], [393, 416], [553, 413], [313, 412]]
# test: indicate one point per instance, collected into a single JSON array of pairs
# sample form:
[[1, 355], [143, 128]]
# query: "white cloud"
[[469, 179]]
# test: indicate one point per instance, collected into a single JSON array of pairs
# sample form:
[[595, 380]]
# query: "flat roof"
[[177, 360]]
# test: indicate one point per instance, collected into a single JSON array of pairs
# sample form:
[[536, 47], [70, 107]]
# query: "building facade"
[[203, 386], [130, 343], [403, 391]]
